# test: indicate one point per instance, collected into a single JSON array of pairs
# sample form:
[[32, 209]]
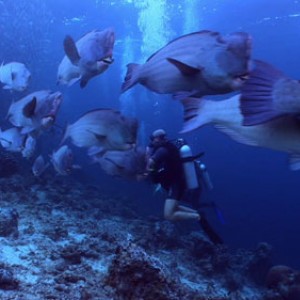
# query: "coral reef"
[[66, 240], [9, 222], [8, 164], [283, 282]]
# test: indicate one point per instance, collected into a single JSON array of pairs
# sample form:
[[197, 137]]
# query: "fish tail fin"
[[131, 78], [66, 134], [197, 113], [257, 98], [10, 109]]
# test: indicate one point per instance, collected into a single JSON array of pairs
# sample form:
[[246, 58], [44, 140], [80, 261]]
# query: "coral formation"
[[67, 248]]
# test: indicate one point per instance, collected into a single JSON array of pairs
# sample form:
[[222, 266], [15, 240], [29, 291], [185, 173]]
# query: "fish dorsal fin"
[[184, 68], [71, 50], [29, 108]]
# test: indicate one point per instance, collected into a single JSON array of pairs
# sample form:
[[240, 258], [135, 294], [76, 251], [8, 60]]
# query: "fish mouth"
[[108, 60], [242, 77]]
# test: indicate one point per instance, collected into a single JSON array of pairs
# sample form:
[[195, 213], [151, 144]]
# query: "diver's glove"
[[210, 232]]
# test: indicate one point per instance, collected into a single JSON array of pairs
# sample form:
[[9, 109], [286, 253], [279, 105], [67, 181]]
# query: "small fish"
[[281, 134], [15, 76], [35, 111], [88, 57], [12, 139], [127, 164], [268, 94], [62, 160], [196, 64], [39, 166], [102, 130]]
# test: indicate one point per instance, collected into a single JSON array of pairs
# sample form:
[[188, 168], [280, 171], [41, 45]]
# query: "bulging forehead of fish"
[[235, 61], [240, 43], [96, 45]]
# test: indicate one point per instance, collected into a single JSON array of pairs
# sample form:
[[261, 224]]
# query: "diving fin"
[[210, 232]]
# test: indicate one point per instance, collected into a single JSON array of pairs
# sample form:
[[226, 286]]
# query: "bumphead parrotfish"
[[281, 134], [90, 56], [102, 130], [196, 64]]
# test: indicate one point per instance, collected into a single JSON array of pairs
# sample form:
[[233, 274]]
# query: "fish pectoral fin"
[[100, 137], [73, 80], [185, 69], [294, 162], [115, 164], [29, 108], [13, 76], [96, 150], [83, 81], [71, 50]]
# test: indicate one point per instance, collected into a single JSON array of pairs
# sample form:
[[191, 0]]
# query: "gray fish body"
[[12, 139], [85, 59], [103, 128], [126, 164], [39, 166], [281, 134], [62, 160], [14, 76], [29, 146], [46, 104], [200, 63]]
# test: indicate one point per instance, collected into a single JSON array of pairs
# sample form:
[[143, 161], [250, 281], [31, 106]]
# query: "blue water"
[[258, 194]]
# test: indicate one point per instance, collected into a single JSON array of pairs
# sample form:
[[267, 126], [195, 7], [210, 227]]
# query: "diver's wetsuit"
[[168, 168]]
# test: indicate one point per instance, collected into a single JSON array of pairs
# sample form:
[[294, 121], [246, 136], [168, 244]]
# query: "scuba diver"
[[172, 165]]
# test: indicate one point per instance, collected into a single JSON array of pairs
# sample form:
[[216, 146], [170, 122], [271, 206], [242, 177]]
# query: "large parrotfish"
[[90, 56], [196, 64], [281, 134]]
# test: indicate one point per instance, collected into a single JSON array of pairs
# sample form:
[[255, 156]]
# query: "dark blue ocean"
[[256, 191]]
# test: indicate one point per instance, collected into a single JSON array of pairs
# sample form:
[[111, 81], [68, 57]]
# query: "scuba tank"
[[204, 174], [190, 174]]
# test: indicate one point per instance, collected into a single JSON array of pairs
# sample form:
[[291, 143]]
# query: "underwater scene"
[[149, 149]]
